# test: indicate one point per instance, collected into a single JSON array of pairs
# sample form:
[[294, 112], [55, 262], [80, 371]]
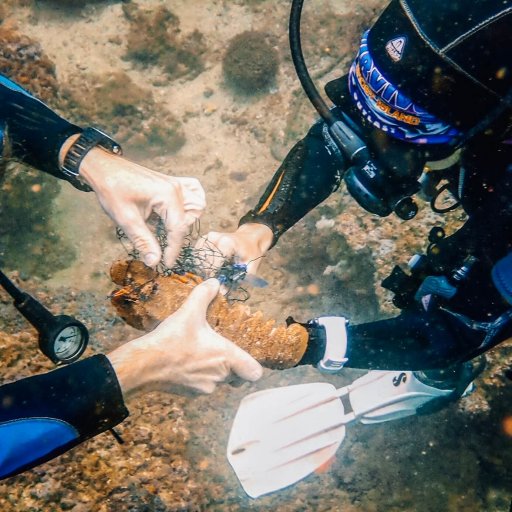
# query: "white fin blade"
[[279, 436]]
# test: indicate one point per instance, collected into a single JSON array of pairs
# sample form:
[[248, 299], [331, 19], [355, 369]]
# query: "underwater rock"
[[146, 298], [330, 40], [26, 202], [251, 63], [127, 111], [23, 60], [248, 2], [74, 3], [155, 39], [131, 498]]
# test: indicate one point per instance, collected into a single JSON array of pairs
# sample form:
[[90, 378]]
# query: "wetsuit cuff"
[[266, 220], [34, 132], [316, 344], [327, 346], [85, 395], [102, 391]]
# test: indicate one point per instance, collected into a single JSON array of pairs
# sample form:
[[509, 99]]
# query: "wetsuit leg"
[[416, 340]]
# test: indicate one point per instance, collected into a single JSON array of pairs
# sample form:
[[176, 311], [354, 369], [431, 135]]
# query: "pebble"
[[209, 109]]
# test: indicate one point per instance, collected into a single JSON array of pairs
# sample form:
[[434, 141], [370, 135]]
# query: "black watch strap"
[[327, 344], [316, 344], [88, 139]]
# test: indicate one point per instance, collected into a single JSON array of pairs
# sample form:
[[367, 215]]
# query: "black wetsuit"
[[45, 415], [454, 60]]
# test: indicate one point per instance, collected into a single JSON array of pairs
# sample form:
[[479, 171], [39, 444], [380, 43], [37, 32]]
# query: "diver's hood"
[[452, 58]]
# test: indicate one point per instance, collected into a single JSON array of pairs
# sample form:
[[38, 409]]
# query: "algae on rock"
[[28, 242], [127, 111], [26, 196], [251, 63], [155, 39]]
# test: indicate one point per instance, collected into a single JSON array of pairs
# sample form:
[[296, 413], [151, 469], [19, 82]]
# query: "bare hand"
[[183, 351], [129, 193], [248, 244]]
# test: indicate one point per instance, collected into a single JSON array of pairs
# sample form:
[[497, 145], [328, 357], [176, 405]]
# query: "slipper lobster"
[[144, 298]]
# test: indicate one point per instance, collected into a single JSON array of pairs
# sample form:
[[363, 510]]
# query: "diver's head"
[[439, 72], [427, 79]]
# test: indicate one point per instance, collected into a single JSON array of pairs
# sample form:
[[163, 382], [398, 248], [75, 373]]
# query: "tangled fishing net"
[[200, 263]]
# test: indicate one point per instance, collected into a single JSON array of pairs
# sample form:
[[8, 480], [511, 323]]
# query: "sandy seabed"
[[173, 458]]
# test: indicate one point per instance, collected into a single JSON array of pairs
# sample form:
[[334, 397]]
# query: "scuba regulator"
[[367, 180]]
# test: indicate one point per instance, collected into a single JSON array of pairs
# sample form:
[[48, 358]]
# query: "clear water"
[[180, 114]]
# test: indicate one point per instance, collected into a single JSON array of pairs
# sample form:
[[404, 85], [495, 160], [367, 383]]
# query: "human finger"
[[143, 240], [243, 364], [194, 196], [176, 223], [253, 266], [199, 299], [216, 248], [175, 241]]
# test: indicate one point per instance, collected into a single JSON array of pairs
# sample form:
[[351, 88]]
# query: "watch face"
[[68, 342]]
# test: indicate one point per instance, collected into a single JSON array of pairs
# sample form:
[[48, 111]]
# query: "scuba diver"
[[45, 415], [427, 100]]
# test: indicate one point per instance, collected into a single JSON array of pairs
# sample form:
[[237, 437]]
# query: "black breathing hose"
[[11, 289], [363, 174], [300, 66], [350, 144]]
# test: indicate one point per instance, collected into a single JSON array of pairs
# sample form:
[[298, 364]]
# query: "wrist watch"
[[327, 343], [335, 354], [88, 139]]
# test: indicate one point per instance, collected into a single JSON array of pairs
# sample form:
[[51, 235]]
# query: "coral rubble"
[[127, 111], [26, 197], [155, 39], [23, 60]]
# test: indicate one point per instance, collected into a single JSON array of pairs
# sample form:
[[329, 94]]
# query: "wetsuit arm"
[[45, 415], [474, 320], [310, 172], [32, 132]]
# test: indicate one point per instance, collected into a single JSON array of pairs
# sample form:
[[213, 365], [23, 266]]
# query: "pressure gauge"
[[65, 340], [62, 338]]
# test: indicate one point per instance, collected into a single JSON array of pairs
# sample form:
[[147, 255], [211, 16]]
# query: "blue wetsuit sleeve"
[[45, 415], [31, 131]]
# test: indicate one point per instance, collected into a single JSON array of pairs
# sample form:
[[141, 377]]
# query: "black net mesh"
[[204, 262]]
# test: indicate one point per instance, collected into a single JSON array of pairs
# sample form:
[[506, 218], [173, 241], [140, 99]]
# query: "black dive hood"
[[456, 62], [436, 85], [367, 180]]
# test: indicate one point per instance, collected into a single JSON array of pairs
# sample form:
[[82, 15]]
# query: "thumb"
[[253, 265], [198, 301], [243, 364], [143, 241]]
